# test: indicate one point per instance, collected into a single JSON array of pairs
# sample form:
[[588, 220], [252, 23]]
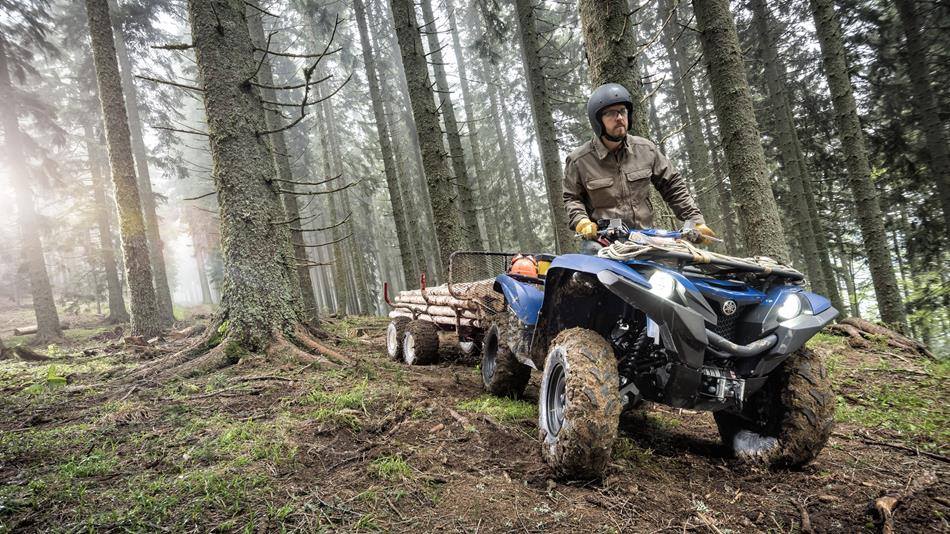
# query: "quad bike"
[[652, 317]]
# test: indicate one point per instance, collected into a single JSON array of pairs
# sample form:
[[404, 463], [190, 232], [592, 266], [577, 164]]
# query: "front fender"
[[523, 298]]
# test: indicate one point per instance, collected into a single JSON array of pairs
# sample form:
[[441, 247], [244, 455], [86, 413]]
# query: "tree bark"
[[445, 210], [281, 158], [146, 320], [551, 161], [758, 213], [868, 208], [925, 104], [117, 311], [156, 248], [795, 171], [385, 146], [463, 181], [31, 246], [261, 294], [610, 41], [726, 207]]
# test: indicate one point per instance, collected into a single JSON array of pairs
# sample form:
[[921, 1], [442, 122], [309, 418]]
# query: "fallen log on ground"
[[861, 333], [32, 329]]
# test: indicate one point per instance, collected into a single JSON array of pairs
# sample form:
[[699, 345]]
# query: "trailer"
[[465, 305]]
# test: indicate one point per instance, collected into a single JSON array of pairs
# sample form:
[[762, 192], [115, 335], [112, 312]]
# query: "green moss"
[[234, 351]]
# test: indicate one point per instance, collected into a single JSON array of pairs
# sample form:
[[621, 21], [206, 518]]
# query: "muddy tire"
[[502, 374], [796, 406], [579, 404], [395, 333], [420, 344]]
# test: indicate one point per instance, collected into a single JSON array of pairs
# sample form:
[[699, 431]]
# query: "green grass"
[[391, 468], [914, 409], [502, 409], [351, 399], [627, 450]]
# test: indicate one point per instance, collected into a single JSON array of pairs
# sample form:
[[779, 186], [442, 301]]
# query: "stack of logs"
[[462, 306]]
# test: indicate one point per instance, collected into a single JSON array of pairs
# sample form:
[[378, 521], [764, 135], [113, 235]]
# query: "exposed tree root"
[[304, 337], [283, 349], [859, 332]]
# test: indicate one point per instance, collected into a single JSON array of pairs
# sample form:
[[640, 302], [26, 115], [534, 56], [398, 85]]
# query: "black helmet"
[[607, 95]]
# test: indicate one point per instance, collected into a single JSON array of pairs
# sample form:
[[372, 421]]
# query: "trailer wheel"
[[795, 407], [579, 404], [420, 344], [502, 374], [394, 336]]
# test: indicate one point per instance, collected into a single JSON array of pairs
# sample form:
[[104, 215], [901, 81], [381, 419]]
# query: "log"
[[853, 334], [438, 300], [437, 319], [32, 329], [443, 311], [894, 339]]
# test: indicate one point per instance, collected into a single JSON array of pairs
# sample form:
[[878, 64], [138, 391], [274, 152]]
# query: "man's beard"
[[617, 135]]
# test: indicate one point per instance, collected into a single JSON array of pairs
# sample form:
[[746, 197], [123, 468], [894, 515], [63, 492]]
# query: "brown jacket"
[[603, 185]]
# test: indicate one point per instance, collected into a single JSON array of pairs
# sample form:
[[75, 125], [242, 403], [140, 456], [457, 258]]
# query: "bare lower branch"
[[179, 130], [259, 8], [335, 241], [327, 192], [175, 84], [201, 196], [288, 87], [321, 182], [304, 56], [173, 46], [325, 228]]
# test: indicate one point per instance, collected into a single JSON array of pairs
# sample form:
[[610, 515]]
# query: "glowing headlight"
[[662, 284], [790, 308]]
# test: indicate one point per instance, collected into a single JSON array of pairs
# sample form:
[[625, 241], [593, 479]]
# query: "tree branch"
[[166, 82]]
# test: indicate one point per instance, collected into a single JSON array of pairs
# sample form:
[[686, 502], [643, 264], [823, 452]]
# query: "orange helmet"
[[524, 266]]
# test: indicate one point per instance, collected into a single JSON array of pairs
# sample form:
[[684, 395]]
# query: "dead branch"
[[179, 130], [167, 82], [335, 241], [289, 87], [311, 193], [173, 46], [304, 56], [201, 196]]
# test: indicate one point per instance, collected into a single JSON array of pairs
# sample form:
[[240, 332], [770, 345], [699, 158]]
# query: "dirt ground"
[[369, 444]]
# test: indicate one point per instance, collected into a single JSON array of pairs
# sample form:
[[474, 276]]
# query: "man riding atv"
[[606, 177]]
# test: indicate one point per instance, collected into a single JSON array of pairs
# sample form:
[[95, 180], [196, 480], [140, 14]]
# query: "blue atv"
[[654, 318]]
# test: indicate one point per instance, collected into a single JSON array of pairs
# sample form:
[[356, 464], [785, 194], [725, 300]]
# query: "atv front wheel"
[[420, 345], [796, 406], [579, 404], [502, 374], [395, 333]]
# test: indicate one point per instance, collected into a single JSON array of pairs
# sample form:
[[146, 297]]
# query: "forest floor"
[[376, 445]]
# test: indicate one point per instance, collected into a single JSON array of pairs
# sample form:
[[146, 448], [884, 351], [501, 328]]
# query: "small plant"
[[391, 468], [503, 409]]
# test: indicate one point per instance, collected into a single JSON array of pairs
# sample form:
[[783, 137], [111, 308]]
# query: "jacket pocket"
[[638, 174], [599, 183]]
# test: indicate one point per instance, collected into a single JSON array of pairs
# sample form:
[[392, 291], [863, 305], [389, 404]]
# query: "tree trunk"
[[925, 104], [868, 209], [31, 246], [611, 44], [795, 171], [698, 154], [117, 311], [146, 321], [463, 180], [156, 248], [726, 207], [261, 294], [382, 130], [758, 213], [445, 210], [551, 161], [281, 158], [487, 212]]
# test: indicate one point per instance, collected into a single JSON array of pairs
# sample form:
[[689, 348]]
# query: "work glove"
[[587, 228], [708, 236]]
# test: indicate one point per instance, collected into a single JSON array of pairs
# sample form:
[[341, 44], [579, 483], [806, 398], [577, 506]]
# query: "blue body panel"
[[524, 299], [722, 290], [593, 265]]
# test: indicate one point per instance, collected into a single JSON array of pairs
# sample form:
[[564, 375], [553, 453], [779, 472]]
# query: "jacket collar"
[[601, 149]]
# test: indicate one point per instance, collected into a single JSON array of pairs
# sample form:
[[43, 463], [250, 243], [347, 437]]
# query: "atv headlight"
[[662, 284], [790, 308]]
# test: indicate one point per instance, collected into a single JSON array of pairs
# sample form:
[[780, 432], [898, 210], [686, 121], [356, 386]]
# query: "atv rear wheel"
[[420, 345], [796, 406], [395, 333], [579, 404], [502, 374]]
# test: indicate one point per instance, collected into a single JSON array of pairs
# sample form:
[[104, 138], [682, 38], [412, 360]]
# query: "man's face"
[[614, 118]]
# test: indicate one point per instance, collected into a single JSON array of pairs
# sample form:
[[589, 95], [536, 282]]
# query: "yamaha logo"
[[729, 307]]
